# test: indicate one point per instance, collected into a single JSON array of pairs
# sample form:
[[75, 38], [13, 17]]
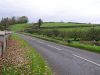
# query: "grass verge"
[[24, 60], [92, 48], [88, 47]]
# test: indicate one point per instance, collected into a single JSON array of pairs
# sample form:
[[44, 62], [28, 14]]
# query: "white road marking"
[[41, 42], [31, 38], [87, 60], [35, 40], [54, 47]]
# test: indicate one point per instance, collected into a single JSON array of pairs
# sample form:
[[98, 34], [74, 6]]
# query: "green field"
[[68, 26], [18, 27], [72, 29], [63, 24]]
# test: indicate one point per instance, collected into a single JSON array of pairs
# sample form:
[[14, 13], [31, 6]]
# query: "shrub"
[[75, 34], [92, 35], [50, 33], [69, 41], [55, 32]]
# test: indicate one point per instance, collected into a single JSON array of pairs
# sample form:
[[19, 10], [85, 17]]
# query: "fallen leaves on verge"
[[14, 55]]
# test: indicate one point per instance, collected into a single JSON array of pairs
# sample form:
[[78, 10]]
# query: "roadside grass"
[[18, 27], [88, 47], [36, 65]]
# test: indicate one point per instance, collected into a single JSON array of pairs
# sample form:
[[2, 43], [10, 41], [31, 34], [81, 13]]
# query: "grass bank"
[[24, 60], [88, 47], [19, 27]]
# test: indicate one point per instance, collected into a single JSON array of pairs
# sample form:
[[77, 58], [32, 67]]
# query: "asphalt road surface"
[[65, 60]]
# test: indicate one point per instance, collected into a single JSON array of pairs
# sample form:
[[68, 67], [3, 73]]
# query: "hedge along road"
[[66, 60]]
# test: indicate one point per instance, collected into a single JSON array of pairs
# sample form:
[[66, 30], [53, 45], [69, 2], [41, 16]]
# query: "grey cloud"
[[52, 10]]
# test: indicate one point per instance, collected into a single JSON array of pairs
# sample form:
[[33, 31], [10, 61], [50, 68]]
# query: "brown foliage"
[[14, 55]]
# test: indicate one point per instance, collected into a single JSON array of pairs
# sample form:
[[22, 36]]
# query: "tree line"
[[5, 22]]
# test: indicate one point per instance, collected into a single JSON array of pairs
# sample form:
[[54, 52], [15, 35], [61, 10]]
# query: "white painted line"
[[41, 42], [54, 47], [87, 60], [35, 40], [31, 38]]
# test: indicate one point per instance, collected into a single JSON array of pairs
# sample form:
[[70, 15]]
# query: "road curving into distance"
[[65, 60]]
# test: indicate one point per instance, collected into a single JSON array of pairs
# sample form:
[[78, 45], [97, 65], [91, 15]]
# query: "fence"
[[3, 41]]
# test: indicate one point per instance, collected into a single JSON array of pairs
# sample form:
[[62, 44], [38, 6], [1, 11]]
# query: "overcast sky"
[[53, 10]]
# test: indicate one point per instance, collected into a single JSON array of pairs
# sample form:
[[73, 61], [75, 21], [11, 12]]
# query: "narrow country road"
[[65, 60]]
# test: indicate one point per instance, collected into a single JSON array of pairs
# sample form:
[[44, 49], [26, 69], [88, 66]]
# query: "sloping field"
[[69, 26], [18, 27]]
